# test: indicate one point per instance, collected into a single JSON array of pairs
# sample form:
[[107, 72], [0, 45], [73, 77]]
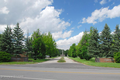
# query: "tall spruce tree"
[[106, 42], [93, 47], [18, 39], [6, 41], [116, 37]]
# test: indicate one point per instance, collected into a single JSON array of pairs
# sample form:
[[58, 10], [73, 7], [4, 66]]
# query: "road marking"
[[58, 71], [21, 77]]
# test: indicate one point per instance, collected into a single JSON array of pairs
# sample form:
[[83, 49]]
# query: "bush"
[[117, 57], [83, 53], [5, 57]]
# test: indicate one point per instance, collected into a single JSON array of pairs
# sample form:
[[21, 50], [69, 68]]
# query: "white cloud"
[[101, 14], [33, 15], [4, 10], [66, 43], [47, 20], [103, 2], [2, 27], [79, 26], [60, 34]]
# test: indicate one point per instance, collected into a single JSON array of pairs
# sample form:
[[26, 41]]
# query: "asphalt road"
[[57, 71]]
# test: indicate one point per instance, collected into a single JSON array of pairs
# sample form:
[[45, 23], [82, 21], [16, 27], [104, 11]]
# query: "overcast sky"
[[65, 19]]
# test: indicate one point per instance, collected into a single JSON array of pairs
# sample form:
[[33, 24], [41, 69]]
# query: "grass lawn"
[[92, 62], [61, 59], [33, 62]]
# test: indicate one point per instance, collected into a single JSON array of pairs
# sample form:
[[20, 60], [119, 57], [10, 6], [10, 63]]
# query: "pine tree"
[[93, 47], [116, 37], [6, 41], [18, 39], [106, 42]]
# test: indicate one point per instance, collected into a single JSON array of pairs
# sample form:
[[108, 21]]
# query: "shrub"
[[117, 57], [83, 53], [5, 57]]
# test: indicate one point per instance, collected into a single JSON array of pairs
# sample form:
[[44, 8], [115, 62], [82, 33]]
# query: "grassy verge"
[[33, 62], [92, 62], [61, 59]]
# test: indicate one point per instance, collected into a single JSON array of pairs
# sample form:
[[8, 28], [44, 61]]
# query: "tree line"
[[37, 46], [98, 45]]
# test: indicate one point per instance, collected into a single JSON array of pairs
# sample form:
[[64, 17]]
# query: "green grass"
[[61, 59], [33, 62], [92, 62]]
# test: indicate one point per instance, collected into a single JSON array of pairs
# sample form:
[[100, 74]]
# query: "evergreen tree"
[[18, 39], [6, 41], [116, 37], [106, 42], [0, 36], [93, 47]]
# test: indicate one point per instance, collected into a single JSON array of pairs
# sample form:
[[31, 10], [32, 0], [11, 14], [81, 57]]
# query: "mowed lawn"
[[31, 62], [92, 62]]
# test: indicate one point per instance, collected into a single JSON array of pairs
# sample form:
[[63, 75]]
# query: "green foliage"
[[93, 47], [0, 40], [50, 45], [117, 57], [6, 41], [72, 51], [106, 42], [5, 57], [28, 46], [18, 39], [83, 47], [59, 52], [116, 37], [38, 45], [66, 52]]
